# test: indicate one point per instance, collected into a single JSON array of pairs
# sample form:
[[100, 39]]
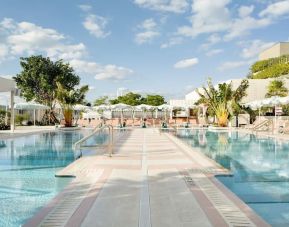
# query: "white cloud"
[[22, 39], [96, 25], [211, 40], [101, 72], [242, 26], [245, 11], [276, 9], [232, 65], [175, 6], [85, 8], [208, 17], [185, 63], [214, 52], [253, 48], [147, 32], [172, 42], [26, 38]]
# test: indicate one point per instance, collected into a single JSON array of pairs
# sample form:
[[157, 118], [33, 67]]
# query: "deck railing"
[[78, 145]]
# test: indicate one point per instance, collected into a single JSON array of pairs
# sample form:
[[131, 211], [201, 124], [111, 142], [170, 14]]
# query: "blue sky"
[[168, 47]]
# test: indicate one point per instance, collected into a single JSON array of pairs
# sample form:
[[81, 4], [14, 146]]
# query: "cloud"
[[214, 52], [242, 26], [233, 64], [96, 25], [245, 11], [211, 40], [147, 32], [101, 72], [185, 63], [172, 42], [208, 17], [24, 39], [276, 9], [85, 8], [175, 6], [254, 47]]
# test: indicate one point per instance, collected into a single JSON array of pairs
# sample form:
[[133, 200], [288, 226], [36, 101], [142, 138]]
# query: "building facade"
[[274, 51], [257, 89]]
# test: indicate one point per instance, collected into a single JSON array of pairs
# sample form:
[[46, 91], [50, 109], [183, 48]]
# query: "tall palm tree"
[[223, 101], [68, 99], [277, 88]]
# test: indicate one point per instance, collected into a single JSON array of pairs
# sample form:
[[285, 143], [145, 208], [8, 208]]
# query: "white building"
[[121, 91], [277, 50], [257, 89]]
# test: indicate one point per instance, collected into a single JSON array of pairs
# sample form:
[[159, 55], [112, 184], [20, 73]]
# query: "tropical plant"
[[68, 99], [223, 101], [38, 79], [277, 88], [135, 99], [101, 101]]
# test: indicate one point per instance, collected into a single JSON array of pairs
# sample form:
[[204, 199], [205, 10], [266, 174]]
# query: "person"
[[144, 123], [164, 124], [124, 123]]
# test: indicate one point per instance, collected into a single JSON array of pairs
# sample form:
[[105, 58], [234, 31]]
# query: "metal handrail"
[[77, 145]]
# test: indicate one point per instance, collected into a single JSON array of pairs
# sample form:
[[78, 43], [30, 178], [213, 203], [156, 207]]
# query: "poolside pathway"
[[152, 180]]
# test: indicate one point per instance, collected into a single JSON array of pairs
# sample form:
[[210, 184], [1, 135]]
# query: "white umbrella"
[[102, 107], [80, 107], [121, 107], [30, 106], [144, 107], [284, 100], [91, 114], [165, 107]]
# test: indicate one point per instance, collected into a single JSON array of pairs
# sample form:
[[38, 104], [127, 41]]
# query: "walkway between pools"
[[152, 180]]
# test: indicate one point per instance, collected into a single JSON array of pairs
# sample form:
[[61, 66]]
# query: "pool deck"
[[152, 180]]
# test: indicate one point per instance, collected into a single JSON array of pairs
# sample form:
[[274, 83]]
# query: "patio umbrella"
[[121, 107], [102, 107], [80, 107], [30, 106], [144, 107], [165, 107], [91, 114]]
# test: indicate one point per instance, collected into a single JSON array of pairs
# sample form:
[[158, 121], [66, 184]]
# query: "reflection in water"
[[27, 172], [260, 169]]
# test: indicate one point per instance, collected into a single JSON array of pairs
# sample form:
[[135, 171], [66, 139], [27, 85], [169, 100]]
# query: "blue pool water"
[[260, 168], [27, 172]]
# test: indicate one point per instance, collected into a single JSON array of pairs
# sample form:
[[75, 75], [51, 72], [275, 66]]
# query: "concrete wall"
[[276, 50], [257, 89]]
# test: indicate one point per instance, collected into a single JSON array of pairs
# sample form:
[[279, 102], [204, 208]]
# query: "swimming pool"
[[260, 168], [27, 172]]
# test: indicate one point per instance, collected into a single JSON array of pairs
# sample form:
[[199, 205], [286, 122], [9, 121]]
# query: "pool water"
[[260, 168], [27, 172]]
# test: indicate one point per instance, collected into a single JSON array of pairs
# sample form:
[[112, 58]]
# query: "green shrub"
[[273, 72], [19, 118]]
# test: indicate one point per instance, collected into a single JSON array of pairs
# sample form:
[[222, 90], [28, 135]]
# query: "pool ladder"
[[78, 145]]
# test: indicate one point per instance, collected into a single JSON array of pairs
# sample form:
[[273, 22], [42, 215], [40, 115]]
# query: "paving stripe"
[[232, 215], [145, 213], [72, 200]]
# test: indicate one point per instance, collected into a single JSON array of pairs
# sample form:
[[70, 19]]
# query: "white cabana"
[[91, 114], [9, 85], [79, 107], [30, 106], [102, 107], [121, 107]]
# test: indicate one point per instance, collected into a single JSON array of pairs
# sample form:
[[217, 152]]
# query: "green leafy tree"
[[101, 101], [155, 100], [68, 99], [130, 98], [277, 88], [38, 79], [223, 101]]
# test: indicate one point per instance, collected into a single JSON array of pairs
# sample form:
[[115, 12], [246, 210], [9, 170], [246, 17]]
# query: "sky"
[[167, 47]]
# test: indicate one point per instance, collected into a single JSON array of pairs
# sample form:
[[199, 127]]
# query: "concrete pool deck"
[[152, 180]]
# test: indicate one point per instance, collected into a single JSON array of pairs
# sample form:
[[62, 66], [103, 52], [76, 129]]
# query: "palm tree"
[[68, 99], [277, 88], [223, 101]]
